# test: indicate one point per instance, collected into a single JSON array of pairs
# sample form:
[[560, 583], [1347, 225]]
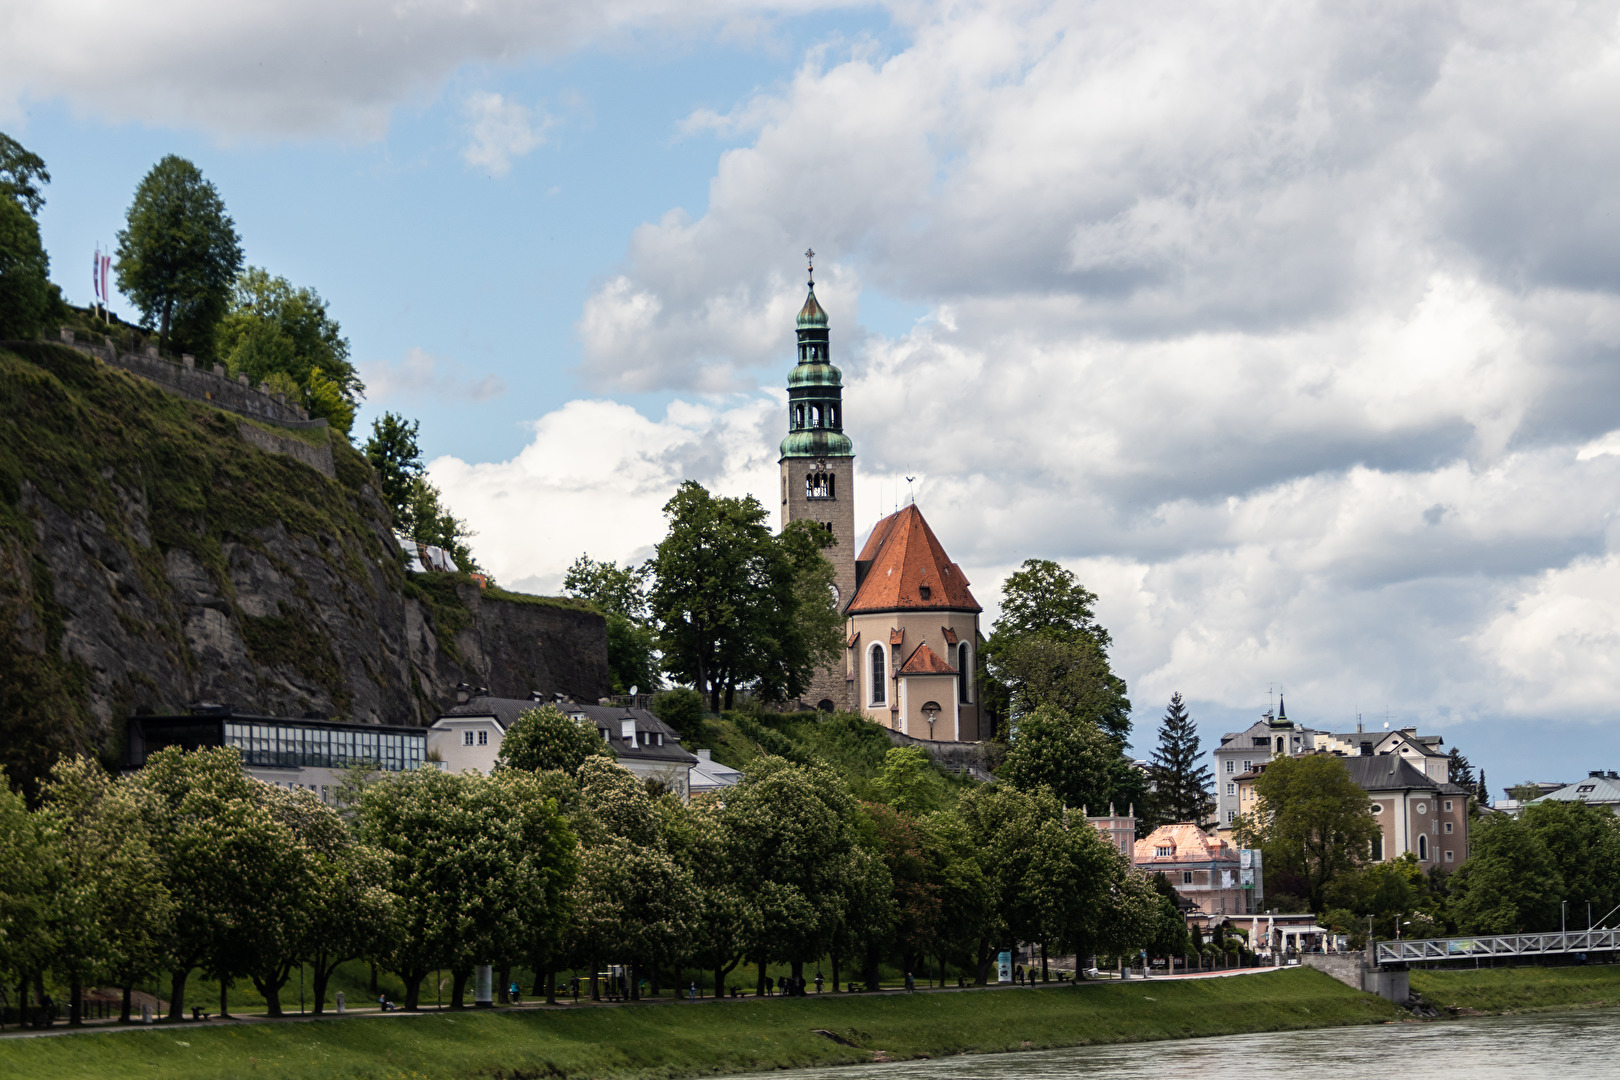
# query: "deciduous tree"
[[178, 254], [1313, 822], [22, 175], [545, 738], [1071, 757], [621, 594], [25, 291]]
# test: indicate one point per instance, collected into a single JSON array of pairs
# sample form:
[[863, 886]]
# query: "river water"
[[1568, 1046]]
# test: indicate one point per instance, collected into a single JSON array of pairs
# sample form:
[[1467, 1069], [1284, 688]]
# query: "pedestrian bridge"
[[1558, 943]]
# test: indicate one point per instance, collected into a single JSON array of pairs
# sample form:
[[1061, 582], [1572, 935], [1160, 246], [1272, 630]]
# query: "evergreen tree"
[[1458, 770], [1482, 793], [1181, 784]]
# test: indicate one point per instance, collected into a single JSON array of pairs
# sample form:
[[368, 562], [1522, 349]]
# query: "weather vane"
[[810, 257]]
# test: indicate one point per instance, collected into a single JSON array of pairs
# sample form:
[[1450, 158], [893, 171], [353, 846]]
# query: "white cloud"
[[594, 480], [500, 130], [1293, 328], [295, 67], [420, 374]]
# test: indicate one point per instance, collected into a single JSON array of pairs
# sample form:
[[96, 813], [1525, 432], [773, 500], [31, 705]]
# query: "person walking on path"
[[911, 983], [818, 982]]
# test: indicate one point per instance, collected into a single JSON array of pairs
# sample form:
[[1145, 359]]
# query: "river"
[[1568, 1046]]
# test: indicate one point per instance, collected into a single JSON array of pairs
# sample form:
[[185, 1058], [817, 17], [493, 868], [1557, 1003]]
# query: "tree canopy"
[[545, 738], [22, 175], [25, 289], [735, 606], [415, 504], [1312, 822], [178, 255], [621, 594], [275, 333]]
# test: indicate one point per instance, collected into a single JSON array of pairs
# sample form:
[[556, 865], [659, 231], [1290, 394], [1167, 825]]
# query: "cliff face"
[[154, 552]]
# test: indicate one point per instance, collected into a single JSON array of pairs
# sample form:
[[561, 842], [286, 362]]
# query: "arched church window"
[[965, 667], [798, 416], [818, 485], [832, 416], [878, 685], [815, 416]]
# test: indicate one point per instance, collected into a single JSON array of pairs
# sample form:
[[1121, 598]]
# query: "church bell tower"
[[818, 460]]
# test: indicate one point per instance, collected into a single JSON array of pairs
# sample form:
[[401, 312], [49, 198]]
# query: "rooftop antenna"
[[911, 500]]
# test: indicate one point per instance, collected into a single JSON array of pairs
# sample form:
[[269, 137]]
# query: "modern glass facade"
[[267, 744]]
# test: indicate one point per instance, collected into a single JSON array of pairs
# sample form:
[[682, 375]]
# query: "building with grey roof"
[[469, 735], [1599, 788]]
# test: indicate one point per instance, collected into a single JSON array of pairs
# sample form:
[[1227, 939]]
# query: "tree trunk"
[[596, 991], [374, 982], [551, 987], [163, 327], [942, 970], [501, 991], [759, 978], [413, 987], [224, 1008], [177, 991], [797, 973], [981, 976], [652, 978], [75, 1002], [1046, 974], [833, 956], [123, 1006], [322, 978], [869, 973], [269, 986], [458, 986]]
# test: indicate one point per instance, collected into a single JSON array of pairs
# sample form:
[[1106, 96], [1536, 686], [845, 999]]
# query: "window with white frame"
[[1448, 826], [1449, 856], [1231, 788], [1229, 766], [1231, 815], [483, 738], [1448, 806], [1247, 765], [466, 738], [1423, 848], [1186, 877], [1162, 852], [878, 685]]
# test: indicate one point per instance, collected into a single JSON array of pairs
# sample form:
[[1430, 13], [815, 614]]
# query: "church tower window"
[[820, 485], [878, 685], [964, 674]]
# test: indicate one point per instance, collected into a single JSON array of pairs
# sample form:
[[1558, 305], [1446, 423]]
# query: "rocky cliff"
[[154, 552]]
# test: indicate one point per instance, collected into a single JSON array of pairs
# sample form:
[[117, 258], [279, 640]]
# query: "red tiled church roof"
[[909, 570], [925, 661]]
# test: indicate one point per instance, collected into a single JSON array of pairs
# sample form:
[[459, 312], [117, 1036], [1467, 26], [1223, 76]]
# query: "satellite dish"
[[633, 690]]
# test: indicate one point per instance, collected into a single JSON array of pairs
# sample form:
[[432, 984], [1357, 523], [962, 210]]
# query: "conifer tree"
[[1482, 793], [1181, 784], [1458, 769]]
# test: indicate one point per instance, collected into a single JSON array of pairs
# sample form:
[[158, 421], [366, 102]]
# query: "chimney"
[[627, 728], [462, 693], [535, 695], [703, 755]]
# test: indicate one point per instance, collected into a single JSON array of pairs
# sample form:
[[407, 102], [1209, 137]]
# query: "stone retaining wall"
[[200, 384]]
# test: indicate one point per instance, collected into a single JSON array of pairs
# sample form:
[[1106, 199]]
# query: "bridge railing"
[[1555, 943]]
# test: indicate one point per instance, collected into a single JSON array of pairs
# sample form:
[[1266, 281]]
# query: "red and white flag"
[[106, 294]]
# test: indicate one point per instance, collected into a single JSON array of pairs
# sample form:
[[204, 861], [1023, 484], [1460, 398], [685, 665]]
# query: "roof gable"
[[907, 569], [925, 661]]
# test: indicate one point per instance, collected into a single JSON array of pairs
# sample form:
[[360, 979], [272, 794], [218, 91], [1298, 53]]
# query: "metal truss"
[[1571, 941]]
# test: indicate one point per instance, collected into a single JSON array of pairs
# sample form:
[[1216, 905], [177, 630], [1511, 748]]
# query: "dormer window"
[[924, 592], [1163, 852]]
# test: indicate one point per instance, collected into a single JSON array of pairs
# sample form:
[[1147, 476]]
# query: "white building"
[[469, 736]]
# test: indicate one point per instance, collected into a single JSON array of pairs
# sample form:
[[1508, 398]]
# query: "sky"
[[1292, 329]]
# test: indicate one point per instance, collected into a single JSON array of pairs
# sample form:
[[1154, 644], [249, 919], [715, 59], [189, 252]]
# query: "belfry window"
[[878, 686], [815, 416], [798, 416], [832, 416], [819, 485]]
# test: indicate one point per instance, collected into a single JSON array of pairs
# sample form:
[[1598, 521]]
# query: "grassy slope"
[[678, 1040], [1520, 989]]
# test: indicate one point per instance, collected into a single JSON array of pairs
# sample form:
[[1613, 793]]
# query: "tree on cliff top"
[[22, 174], [415, 504], [621, 593], [178, 254], [285, 336]]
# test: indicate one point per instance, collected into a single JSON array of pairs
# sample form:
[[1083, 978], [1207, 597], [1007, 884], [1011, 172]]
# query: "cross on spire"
[[810, 257]]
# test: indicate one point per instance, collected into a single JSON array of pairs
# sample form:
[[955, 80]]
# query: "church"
[[911, 624]]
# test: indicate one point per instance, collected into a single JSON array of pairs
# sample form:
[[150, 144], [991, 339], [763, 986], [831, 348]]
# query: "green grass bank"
[[1521, 989], [674, 1040]]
